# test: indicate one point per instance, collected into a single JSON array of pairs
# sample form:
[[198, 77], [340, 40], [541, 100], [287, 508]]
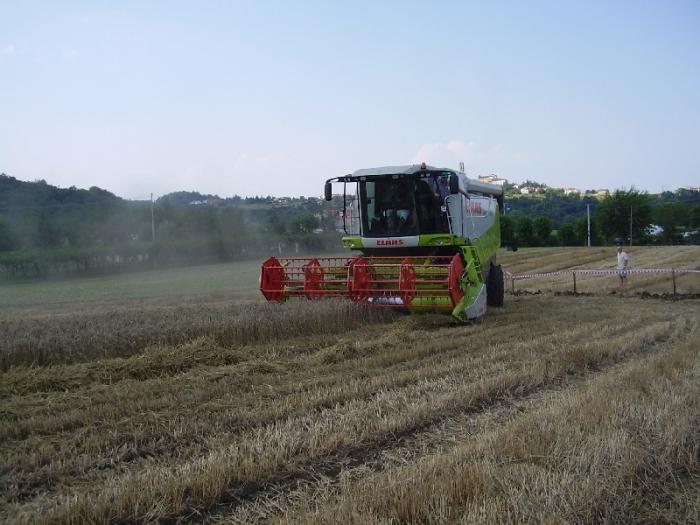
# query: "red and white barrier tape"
[[522, 276]]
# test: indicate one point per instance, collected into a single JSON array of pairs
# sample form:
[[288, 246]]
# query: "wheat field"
[[600, 258], [555, 408]]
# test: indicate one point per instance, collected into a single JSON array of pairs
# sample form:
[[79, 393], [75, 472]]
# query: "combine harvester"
[[427, 240]]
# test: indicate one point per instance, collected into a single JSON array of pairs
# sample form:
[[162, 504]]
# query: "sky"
[[272, 98]]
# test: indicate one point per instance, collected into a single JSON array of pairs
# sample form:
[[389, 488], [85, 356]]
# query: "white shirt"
[[622, 260]]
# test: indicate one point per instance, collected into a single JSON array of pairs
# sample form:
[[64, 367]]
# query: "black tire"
[[494, 286]]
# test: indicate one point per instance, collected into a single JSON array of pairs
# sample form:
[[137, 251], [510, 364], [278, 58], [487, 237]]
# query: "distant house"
[[572, 191], [207, 202], [527, 190], [282, 201], [602, 193], [694, 189], [493, 179], [654, 230]]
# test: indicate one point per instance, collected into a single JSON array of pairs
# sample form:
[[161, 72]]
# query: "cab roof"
[[408, 169]]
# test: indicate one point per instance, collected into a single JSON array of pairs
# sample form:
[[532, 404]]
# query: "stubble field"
[[556, 408]]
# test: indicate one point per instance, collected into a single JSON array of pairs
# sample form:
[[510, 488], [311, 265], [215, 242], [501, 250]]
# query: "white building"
[[493, 179]]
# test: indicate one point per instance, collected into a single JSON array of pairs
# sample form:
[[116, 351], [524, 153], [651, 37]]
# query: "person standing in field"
[[622, 263]]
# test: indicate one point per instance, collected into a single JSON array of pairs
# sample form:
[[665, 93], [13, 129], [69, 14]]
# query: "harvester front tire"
[[494, 286]]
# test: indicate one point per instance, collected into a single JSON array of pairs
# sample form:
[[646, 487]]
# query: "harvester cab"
[[426, 239]]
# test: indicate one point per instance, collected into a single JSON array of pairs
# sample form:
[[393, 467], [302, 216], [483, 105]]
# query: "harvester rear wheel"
[[494, 286]]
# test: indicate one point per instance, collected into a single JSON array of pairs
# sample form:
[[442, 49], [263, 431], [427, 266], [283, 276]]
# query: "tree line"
[[45, 229], [613, 219]]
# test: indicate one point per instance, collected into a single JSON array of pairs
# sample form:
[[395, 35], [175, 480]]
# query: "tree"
[[274, 224], [542, 227], [8, 239], [233, 225], [507, 229], [670, 216], [567, 234], [48, 234], [525, 231], [328, 222], [166, 231], [305, 223], [695, 216], [613, 214]]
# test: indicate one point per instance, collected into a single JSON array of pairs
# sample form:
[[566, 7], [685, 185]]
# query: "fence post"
[[512, 284], [673, 277], [574, 274]]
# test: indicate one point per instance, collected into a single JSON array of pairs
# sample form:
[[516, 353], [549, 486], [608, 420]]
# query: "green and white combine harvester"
[[427, 240]]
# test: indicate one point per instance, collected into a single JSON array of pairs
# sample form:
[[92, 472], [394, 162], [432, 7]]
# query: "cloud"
[[7, 50], [452, 152]]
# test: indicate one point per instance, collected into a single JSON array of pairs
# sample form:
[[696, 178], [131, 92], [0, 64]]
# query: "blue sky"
[[258, 98]]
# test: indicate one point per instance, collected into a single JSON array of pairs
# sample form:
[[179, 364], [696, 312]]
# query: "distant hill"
[[44, 226], [36, 216], [181, 198], [560, 208], [15, 194]]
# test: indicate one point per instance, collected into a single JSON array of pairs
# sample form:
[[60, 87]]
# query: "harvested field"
[[532, 260], [226, 280], [556, 408]]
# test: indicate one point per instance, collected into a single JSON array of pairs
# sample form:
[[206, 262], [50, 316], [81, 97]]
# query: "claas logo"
[[390, 242]]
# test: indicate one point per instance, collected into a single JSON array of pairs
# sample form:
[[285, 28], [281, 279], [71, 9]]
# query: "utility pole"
[[630, 225], [588, 212], [153, 223]]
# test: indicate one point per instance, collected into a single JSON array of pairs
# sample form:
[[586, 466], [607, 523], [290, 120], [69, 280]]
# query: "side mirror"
[[454, 184], [328, 191]]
